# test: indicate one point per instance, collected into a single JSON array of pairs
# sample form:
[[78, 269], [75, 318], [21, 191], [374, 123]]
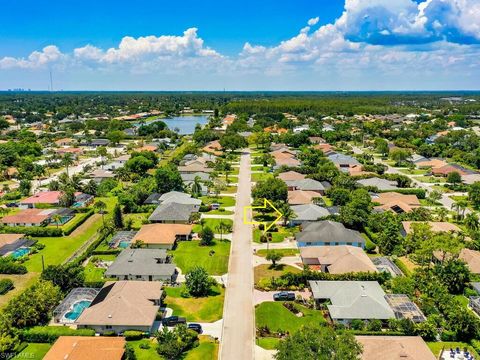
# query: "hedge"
[[48, 334], [36, 231], [377, 333], [402, 267], [94, 284], [106, 252], [131, 335], [8, 266], [72, 225], [5, 286]]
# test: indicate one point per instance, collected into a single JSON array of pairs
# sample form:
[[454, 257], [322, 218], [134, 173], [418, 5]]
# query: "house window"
[[327, 244], [108, 327]]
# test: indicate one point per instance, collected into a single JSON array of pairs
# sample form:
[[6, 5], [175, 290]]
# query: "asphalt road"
[[238, 334]]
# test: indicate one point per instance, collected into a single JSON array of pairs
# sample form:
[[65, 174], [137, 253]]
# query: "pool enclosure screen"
[[75, 296]]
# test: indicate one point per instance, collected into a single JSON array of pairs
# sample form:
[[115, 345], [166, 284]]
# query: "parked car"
[[195, 327], [284, 296], [173, 320]]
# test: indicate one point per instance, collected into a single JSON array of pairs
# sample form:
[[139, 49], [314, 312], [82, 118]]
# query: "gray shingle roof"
[[380, 184], [309, 212], [328, 231], [141, 262], [353, 299], [342, 159], [179, 198], [172, 212], [306, 184]]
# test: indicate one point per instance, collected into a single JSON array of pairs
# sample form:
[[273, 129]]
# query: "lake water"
[[186, 124]]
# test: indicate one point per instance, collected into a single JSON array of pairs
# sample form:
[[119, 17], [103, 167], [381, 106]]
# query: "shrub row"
[[5, 286], [106, 252], [8, 266], [131, 335], [48, 334], [75, 223], [37, 231]]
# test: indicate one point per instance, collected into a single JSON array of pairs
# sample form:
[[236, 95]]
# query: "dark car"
[[284, 296], [195, 327], [173, 320]]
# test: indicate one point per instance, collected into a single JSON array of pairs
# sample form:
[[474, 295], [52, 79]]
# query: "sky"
[[240, 45]]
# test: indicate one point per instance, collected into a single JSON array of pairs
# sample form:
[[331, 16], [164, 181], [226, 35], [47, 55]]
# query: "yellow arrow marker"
[[266, 204]]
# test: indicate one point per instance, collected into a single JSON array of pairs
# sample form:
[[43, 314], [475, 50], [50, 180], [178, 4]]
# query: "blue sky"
[[241, 45]]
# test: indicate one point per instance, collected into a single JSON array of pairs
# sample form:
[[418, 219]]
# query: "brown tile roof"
[[151, 148], [339, 259], [6, 239], [86, 348], [394, 348], [325, 148], [27, 216], [124, 303], [299, 197], [433, 163], [447, 169], [388, 200], [290, 176], [213, 147], [472, 258], [436, 226], [162, 233]]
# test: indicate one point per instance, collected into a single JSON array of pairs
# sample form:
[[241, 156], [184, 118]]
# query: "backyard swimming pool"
[[76, 310], [123, 244], [22, 251]]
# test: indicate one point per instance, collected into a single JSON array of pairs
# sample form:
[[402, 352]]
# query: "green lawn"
[[137, 219], [230, 190], [268, 343], [265, 272], [430, 179], [145, 354], [212, 224], [93, 273], [436, 347], [189, 254], [283, 252], [279, 319], [414, 171], [206, 350], [206, 309], [58, 249], [224, 201], [220, 211], [20, 283], [277, 236], [261, 177], [34, 351]]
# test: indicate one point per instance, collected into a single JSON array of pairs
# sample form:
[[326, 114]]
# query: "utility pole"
[[51, 81]]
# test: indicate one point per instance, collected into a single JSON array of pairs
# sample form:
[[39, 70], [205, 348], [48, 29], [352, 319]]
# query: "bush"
[[5, 286], [370, 246], [36, 231], [448, 335], [8, 266], [131, 335], [48, 334]]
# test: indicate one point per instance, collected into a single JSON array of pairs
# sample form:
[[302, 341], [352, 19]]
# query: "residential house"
[[325, 148], [337, 259], [291, 176], [435, 226], [380, 184], [285, 157], [213, 147], [12, 242], [431, 163], [395, 202], [95, 142], [64, 142], [306, 185], [173, 213], [86, 348], [51, 198], [153, 199], [30, 217], [307, 213], [449, 168], [123, 305], [162, 236], [180, 198], [75, 152], [394, 348], [351, 300], [472, 258], [99, 175], [343, 162], [302, 197], [143, 264], [327, 232]]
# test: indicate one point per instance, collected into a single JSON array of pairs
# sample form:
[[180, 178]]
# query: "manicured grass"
[[206, 309], [283, 252], [414, 171], [212, 224], [93, 273], [268, 343], [224, 201], [436, 347], [230, 190], [261, 177], [266, 272], [73, 223], [137, 219], [20, 283], [220, 212], [206, 350], [277, 236], [58, 249], [34, 351], [189, 254], [430, 179], [145, 354], [279, 319]]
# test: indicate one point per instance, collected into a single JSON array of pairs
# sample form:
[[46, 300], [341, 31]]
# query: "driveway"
[[267, 296], [238, 333]]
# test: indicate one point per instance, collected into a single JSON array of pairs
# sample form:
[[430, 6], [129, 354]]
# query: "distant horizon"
[[441, 91]]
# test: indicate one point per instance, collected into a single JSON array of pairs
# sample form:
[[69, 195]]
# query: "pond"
[[185, 124]]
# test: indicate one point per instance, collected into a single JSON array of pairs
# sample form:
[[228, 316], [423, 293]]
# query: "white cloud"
[[36, 59], [313, 21]]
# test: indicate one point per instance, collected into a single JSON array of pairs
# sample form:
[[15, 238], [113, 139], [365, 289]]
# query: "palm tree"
[[67, 161], [287, 213], [100, 206], [223, 228], [471, 222], [196, 186], [441, 213], [56, 219]]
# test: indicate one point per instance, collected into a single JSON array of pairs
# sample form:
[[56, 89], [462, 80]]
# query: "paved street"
[[238, 326]]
